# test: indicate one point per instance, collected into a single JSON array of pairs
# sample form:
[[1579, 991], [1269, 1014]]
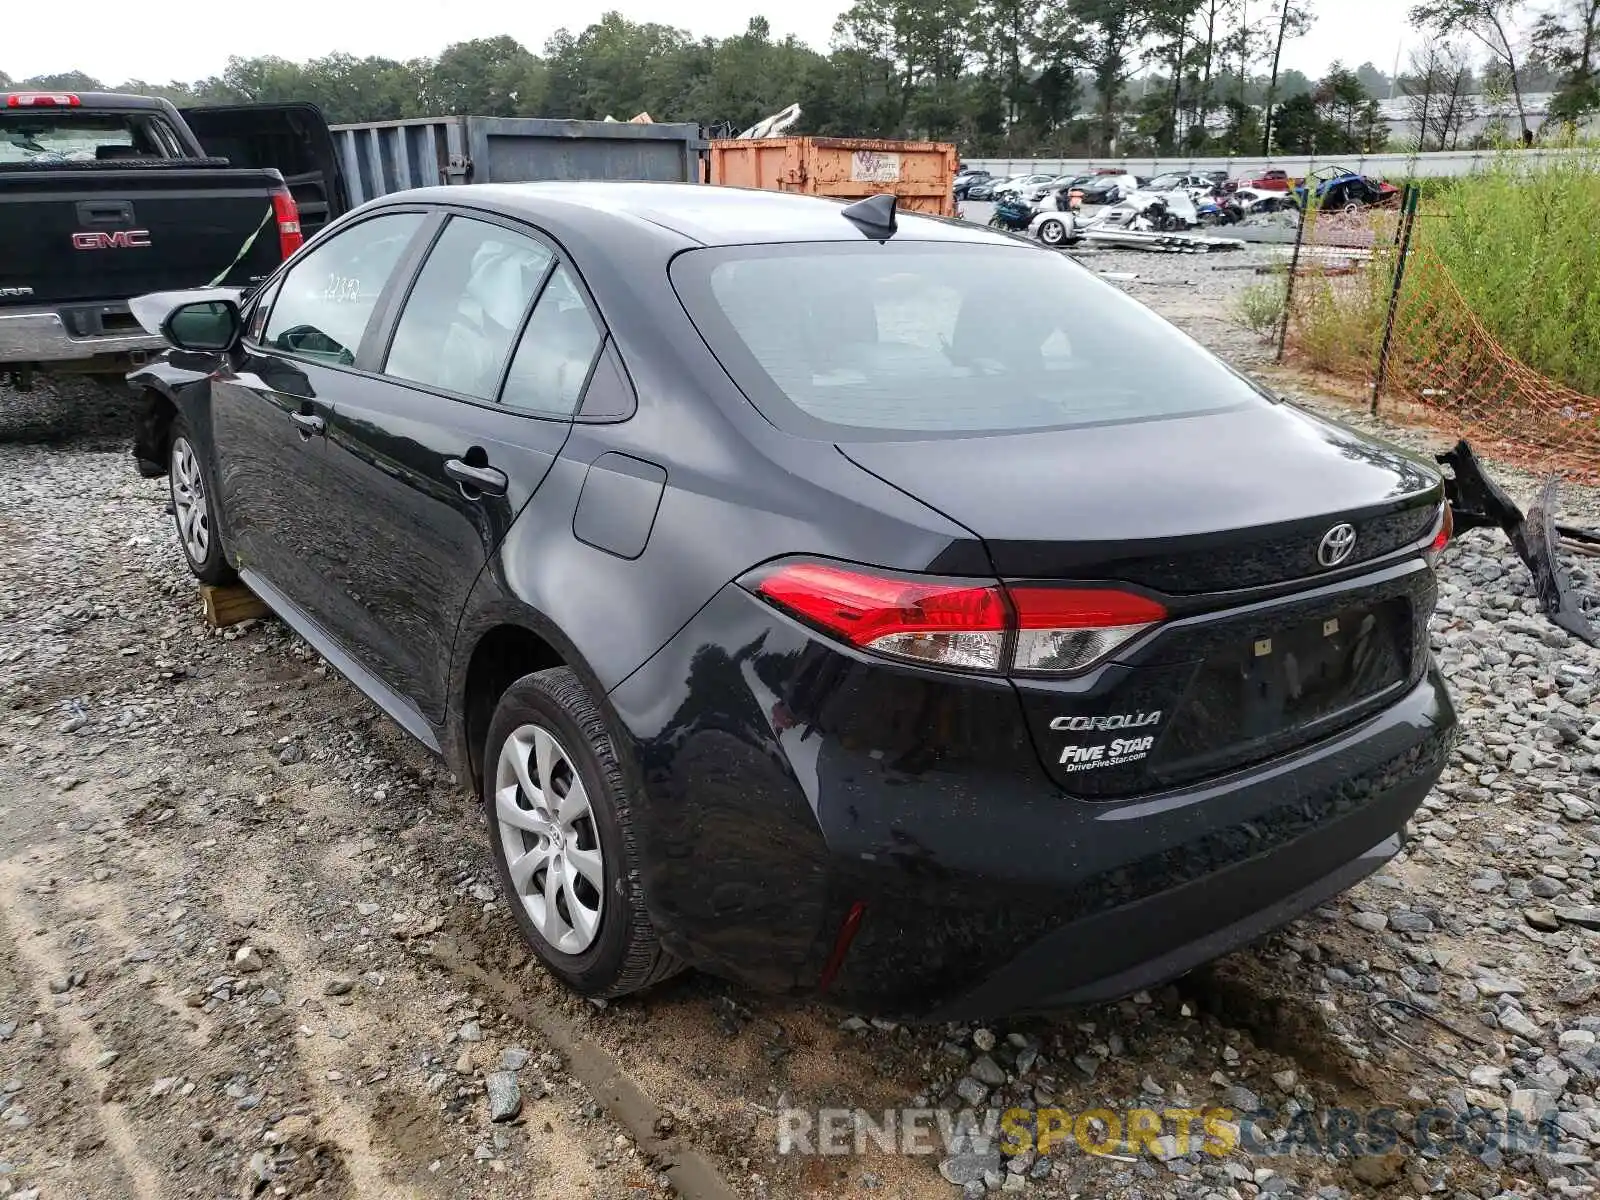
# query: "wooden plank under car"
[[230, 604]]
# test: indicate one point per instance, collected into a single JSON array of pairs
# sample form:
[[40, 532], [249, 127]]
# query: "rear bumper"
[[40, 336], [1156, 944], [787, 781]]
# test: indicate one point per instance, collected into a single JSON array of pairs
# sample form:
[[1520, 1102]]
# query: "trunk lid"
[[1189, 506], [1266, 649]]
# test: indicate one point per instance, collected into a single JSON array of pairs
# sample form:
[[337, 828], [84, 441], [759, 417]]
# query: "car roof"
[[101, 100], [700, 213]]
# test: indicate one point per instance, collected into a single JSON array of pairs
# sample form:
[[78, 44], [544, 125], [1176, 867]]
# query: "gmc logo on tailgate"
[[121, 239]]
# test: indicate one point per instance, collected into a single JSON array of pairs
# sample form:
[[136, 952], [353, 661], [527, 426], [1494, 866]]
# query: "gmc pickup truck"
[[106, 197]]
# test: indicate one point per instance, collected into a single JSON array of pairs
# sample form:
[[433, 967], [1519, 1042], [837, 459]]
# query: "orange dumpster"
[[919, 174]]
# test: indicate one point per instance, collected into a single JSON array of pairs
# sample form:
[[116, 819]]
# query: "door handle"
[[485, 480], [309, 423], [105, 212]]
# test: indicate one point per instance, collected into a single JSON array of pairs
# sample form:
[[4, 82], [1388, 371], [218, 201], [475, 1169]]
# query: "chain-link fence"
[[1394, 317]]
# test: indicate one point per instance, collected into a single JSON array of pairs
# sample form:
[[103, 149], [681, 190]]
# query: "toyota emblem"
[[1336, 544]]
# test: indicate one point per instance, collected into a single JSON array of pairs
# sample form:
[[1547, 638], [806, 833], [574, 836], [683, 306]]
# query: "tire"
[[1053, 232], [600, 943], [996, 223], [195, 508]]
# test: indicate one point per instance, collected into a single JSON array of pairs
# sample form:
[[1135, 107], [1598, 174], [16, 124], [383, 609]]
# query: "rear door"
[[270, 412], [443, 441]]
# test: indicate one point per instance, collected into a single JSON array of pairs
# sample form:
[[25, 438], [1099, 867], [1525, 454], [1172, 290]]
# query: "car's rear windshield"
[[854, 340]]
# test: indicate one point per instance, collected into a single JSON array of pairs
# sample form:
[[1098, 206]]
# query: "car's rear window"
[[42, 136], [848, 340]]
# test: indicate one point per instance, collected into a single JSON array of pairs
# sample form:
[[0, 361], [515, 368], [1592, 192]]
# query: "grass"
[[1519, 243], [1338, 321], [1259, 308], [1517, 240]]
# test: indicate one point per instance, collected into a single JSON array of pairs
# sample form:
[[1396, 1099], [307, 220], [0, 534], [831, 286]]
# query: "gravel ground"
[[250, 942]]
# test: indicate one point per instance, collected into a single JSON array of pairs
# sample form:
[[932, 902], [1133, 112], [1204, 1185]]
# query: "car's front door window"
[[327, 298]]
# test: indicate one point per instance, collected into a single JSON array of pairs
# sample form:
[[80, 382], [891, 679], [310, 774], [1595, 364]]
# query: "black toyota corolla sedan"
[[802, 608]]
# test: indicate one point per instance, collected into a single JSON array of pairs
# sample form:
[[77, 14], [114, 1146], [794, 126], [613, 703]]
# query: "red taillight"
[[1442, 533], [968, 626], [42, 100], [287, 212], [958, 625], [1447, 528], [1067, 629]]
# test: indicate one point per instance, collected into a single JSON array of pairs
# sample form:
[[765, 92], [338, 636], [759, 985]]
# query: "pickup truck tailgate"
[[70, 235]]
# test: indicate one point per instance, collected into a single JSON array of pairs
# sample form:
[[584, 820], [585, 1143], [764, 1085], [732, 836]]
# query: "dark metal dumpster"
[[379, 157]]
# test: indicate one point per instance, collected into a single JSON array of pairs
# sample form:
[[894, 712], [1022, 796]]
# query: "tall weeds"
[[1338, 319], [1520, 242]]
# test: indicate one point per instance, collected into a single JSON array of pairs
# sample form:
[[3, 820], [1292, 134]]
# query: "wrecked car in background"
[[1337, 188]]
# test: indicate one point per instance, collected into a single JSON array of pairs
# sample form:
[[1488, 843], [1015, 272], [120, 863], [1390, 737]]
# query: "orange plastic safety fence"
[[1443, 359], [1443, 365]]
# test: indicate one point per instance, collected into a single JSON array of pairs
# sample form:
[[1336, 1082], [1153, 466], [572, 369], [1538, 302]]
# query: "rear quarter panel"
[[737, 493]]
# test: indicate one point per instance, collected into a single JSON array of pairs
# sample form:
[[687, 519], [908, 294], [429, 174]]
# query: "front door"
[[270, 413], [444, 444]]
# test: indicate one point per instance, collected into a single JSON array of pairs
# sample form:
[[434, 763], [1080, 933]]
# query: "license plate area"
[[1281, 686]]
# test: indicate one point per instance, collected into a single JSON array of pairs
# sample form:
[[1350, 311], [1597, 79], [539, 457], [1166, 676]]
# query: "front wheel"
[[195, 509], [1053, 232], [560, 815], [996, 223]]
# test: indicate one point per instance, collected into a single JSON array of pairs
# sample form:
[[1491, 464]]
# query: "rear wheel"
[[560, 823], [1053, 232], [194, 508]]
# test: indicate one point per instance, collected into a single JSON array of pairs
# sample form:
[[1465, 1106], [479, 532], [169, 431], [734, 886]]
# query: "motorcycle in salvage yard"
[[1012, 213]]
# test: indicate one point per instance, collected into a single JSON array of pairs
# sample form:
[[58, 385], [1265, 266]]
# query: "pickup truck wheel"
[[194, 510], [559, 811]]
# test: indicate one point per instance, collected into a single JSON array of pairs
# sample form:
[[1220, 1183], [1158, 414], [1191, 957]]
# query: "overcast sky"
[[185, 39]]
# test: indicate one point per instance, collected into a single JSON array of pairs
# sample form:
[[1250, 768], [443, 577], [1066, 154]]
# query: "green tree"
[[1111, 32], [1293, 20], [1299, 127], [1569, 40], [1492, 23], [490, 77], [65, 81]]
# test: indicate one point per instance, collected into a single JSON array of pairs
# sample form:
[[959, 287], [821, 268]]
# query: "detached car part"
[[1478, 501]]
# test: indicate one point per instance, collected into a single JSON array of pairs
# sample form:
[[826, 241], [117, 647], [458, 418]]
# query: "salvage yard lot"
[[250, 941]]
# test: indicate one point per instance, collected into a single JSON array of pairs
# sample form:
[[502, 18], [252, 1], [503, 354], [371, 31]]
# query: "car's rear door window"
[[466, 308], [327, 297], [856, 339], [556, 353]]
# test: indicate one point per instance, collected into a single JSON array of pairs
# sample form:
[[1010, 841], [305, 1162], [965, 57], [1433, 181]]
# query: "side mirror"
[[206, 326]]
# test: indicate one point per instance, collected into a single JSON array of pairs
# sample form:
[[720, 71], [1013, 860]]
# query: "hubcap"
[[190, 507], [547, 831]]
